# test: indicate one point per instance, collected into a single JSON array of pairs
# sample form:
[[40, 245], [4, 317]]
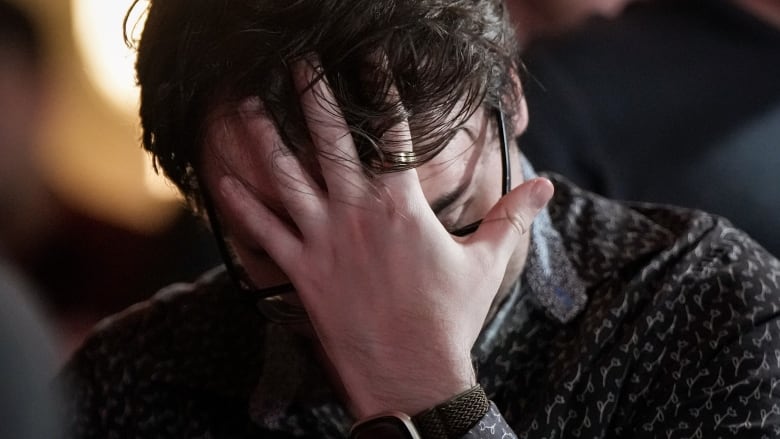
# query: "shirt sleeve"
[[492, 425]]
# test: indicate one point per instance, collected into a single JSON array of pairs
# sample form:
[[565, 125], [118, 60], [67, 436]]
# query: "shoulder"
[[663, 252], [686, 304], [203, 338]]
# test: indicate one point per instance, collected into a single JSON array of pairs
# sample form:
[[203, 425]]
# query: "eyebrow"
[[441, 203]]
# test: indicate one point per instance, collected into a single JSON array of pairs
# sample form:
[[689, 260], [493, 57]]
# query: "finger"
[[510, 219], [254, 224], [338, 158], [297, 190], [279, 161], [300, 195], [397, 144]]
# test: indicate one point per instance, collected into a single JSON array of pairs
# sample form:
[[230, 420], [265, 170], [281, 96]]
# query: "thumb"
[[512, 216]]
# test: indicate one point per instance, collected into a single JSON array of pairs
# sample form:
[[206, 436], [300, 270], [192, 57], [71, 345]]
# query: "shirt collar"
[[549, 275], [548, 281]]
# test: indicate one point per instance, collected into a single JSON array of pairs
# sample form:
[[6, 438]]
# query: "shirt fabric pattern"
[[629, 321]]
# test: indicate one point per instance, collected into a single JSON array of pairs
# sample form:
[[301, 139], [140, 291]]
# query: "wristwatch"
[[451, 420], [389, 425]]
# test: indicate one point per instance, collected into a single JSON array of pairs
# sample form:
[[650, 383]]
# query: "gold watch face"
[[391, 426]]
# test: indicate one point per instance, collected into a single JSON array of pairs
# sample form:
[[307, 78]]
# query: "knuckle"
[[518, 221]]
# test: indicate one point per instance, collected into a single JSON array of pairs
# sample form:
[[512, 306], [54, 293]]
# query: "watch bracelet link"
[[455, 417]]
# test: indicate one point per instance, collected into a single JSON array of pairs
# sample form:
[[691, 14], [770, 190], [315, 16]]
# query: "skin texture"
[[396, 302]]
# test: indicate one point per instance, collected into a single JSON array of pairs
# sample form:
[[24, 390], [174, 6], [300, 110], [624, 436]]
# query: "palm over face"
[[395, 300]]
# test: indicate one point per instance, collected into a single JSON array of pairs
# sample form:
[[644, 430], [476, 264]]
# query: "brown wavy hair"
[[445, 57]]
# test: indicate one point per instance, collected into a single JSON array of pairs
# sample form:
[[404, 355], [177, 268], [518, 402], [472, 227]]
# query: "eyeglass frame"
[[241, 279]]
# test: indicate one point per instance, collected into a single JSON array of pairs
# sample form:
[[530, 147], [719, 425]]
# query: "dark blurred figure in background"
[[21, 103], [27, 354], [84, 268], [28, 403], [545, 18], [28, 360], [675, 101]]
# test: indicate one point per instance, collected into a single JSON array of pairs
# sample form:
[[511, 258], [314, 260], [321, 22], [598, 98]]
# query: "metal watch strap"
[[454, 418]]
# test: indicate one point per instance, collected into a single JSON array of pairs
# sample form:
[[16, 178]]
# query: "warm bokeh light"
[[109, 63], [157, 185], [97, 25]]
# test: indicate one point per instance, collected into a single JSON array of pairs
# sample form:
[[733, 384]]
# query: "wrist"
[[410, 392]]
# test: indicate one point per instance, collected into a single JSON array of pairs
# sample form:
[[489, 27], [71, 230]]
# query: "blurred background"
[[82, 214], [665, 101]]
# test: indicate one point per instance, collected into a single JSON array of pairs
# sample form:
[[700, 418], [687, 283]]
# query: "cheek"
[[489, 179], [487, 196]]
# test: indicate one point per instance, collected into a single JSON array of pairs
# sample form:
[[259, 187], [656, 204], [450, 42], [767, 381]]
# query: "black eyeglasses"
[[505, 173], [240, 277]]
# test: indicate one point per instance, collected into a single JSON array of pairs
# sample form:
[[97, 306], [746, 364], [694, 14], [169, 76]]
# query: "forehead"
[[237, 144]]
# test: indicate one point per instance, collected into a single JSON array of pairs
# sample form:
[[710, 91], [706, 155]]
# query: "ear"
[[520, 116]]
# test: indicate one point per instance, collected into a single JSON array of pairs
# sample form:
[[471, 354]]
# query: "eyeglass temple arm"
[[507, 184]]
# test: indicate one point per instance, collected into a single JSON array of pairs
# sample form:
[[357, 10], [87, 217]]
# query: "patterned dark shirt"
[[629, 321]]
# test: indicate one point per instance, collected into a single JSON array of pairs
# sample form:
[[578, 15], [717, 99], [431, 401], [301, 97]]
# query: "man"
[[353, 151]]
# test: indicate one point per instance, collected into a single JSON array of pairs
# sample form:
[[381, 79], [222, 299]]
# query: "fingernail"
[[541, 192]]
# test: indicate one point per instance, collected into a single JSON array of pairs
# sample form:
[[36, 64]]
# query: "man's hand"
[[396, 301]]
